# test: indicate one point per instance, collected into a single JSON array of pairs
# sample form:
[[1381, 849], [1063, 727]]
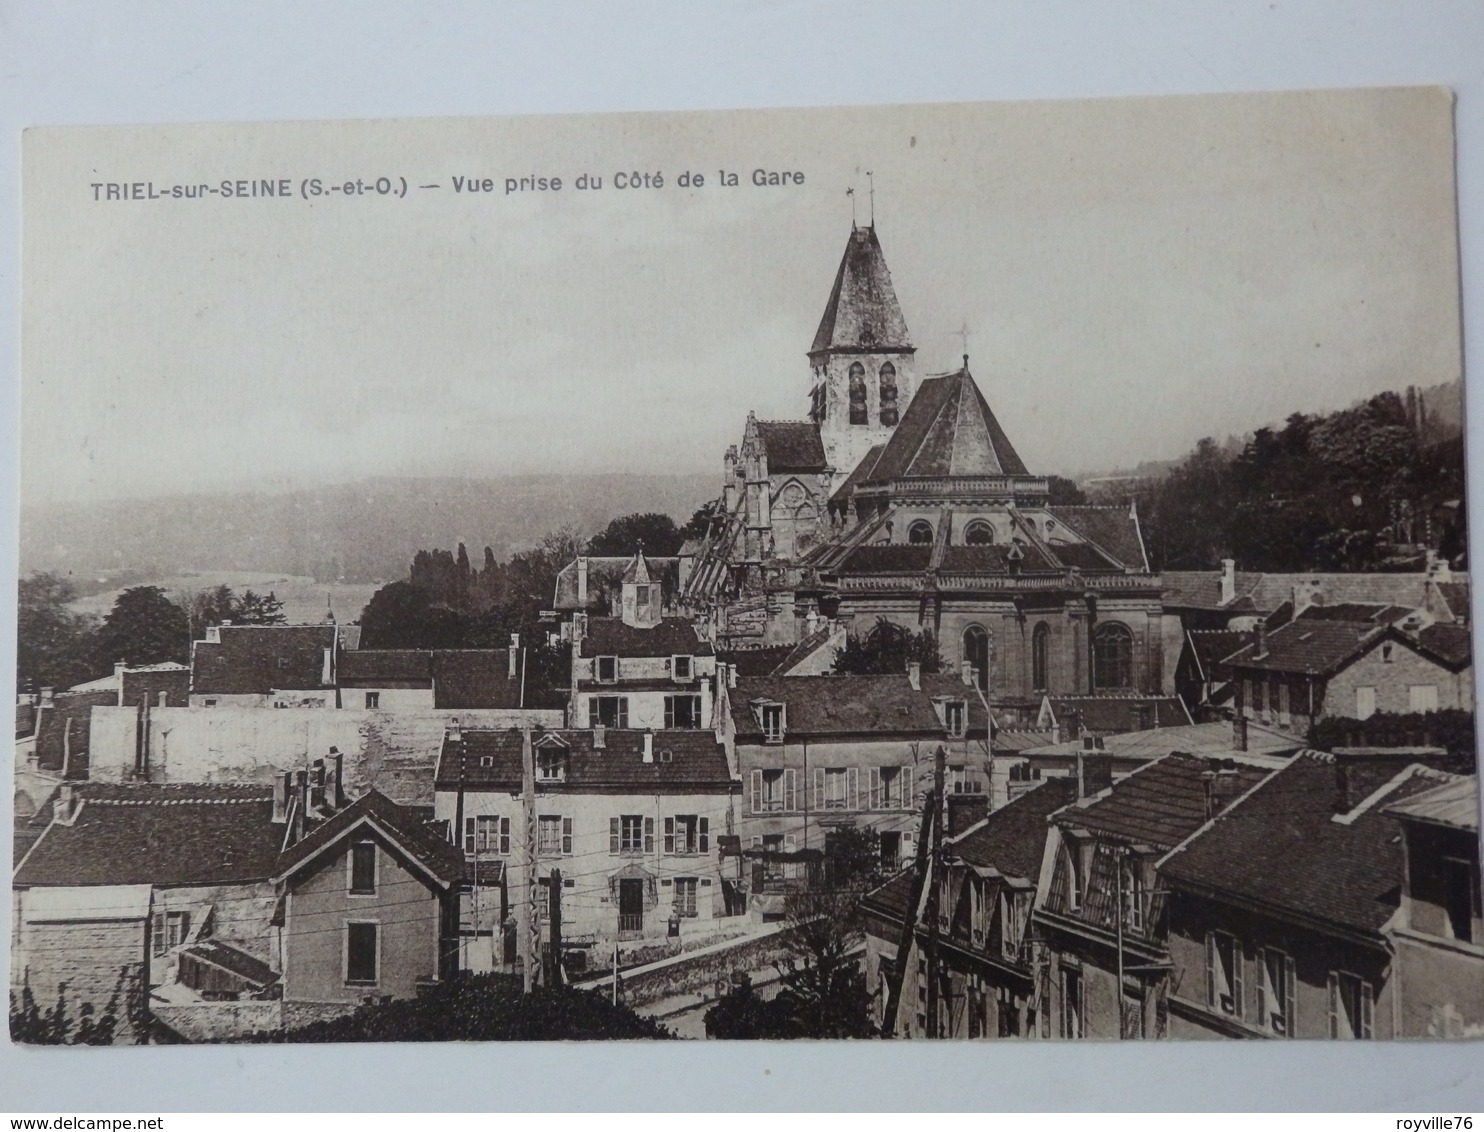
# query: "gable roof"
[[1456, 596], [402, 825], [836, 705], [1318, 646], [696, 762], [1454, 804], [893, 898], [673, 636], [862, 313], [948, 430], [1282, 849], [372, 665], [475, 678], [1261, 592], [1452, 644], [256, 659], [1162, 803], [756, 662], [792, 446], [1011, 840], [1114, 530], [164, 835]]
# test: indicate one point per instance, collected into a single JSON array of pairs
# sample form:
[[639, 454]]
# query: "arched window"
[[859, 414], [978, 533], [976, 652], [920, 533], [888, 375], [1112, 656], [1040, 642]]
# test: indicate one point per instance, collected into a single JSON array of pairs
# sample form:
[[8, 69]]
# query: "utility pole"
[[1118, 880], [554, 979], [931, 910], [921, 876], [615, 972], [530, 930]]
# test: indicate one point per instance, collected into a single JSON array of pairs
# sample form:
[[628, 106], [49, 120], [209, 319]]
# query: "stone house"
[[632, 820]]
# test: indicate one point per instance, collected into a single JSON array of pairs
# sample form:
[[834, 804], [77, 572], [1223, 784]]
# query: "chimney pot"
[[1239, 730], [46, 697], [280, 797], [1228, 580], [514, 649], [914, 675], [966, 671], [64, 810], [600, 737], [582, 579], [455, 732], [649, 746]]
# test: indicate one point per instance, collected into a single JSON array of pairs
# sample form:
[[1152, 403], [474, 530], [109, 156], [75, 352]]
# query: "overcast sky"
[[1134, 274]]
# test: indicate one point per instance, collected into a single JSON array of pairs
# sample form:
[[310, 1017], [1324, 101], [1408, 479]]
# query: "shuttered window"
[[363, 868], [360, 954]]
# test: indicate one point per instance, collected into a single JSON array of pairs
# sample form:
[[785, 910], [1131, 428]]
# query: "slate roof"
[[994, 559], [1361, 612], [475, 678], [887, 559], [756, 662], [1012, 839], [1450, 643], [892, 899], [1264, 592], [605, 578], [1282, 849], [25, 720], [951, 686], [51, 729], [371, 666], [862, 313], [948, 430], [673, 636], [256, 659], [164, 835], [792, 446], [1310, 645], [697, 762], [1115, 529], [837, 705], [1456, 594], [1160, 804], [404, 824], [144, 685], [1115, 711], [1454, 804]]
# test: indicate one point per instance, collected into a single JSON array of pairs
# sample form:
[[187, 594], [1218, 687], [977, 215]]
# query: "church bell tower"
[[862, 357]]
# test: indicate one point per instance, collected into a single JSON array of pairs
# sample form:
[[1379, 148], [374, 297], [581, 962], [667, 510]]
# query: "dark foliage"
[[701, 522], [221, 604], [1064, 493], [886, 650], [401, 616], [482, 1008], [1452, 729], [55, 648], [31, 1025], [656, 533], [144, 627]]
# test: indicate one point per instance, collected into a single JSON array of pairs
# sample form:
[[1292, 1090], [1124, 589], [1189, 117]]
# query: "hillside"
[[357, 532]]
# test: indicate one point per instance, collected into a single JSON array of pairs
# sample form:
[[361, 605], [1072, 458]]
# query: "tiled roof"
[[951, 686], [792, 446], [25, 720], [1113, 528], [1311, 646], [1011, 840], [862, 312], [1282, 848], [1160, 804], [1454, 804], [993, 559], [892, 899], [1360, 612], [52, 729], [1201, 589], [28, 829], [170, 835], [373, 665], [1450, 643], [256, 659], [605, 581], [401, 823], [1120, 711], [1265, 592], [1456, 594], [804, 649], [1193, 739], [673, 636], [475, 678], [249, 968], [887, 559], [837, 705], [859, 474], [756, 662], [948, 430], [492, 760], [144, 685]]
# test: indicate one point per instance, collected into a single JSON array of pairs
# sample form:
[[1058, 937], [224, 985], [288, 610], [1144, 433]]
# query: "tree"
[[657, 533], [1063, 492], [220, 605], [259, 609], [400, 616], [700, 523], [144, 627], [55, 648], [481, 1008], [886, 650], [31, 1025]]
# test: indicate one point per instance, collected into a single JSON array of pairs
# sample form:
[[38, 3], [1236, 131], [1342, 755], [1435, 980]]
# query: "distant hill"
[[356, 532]]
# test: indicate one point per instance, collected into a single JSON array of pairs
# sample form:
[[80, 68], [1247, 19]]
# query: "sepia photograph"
[[968, 571]]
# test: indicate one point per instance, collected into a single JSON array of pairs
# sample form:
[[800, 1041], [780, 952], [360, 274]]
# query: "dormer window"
[[607, 667], [551, 766], [772, 721], [680, 667], [1387, 651], [955, 714]]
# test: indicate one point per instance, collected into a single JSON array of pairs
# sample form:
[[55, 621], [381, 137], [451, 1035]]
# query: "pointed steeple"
[[862, 315]]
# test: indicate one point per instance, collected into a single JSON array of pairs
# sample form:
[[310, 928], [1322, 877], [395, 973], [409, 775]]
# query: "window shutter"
[[757, 791], [1264, 1010], [906, 800], [1211, 999], [791, 790], [853, 777], [789, 842], [1334, 1005], [875, 787], [1290, 1003], [669, 835], [1237, 1006], [1367, 1011], [705, 835], [649, 835], [594, 717], [567, 837], [819, 788], [468, 835], [613, 824]]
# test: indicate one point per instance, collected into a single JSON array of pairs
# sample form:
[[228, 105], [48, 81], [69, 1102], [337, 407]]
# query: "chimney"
[[163, 699], [1221, 788], [64, 809], [600, 737], [1260, 641], [301, 805], [280, 797], [579, 628], [964, 810], [514, 650], [67, 748], [46, 697], [914, 674], [119, 667], [1228, 581], [1140, 714], [582, 580], [649, 746], [327, 668], [1239, 730], [1081, 772], [1098, 773], [966, 670], [455, 732], [731, 675], [336, 794], [317, 784]]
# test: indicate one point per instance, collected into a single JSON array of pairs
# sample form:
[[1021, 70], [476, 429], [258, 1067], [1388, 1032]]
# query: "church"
[[905, 499]]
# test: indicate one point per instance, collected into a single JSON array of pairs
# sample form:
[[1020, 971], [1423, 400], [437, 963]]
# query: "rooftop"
[[1193, 739], [1454, 804], [404, 826], [862, 313], [257, 659], [948, 430], [1011, 840], [682, 761], [837, 705], [673, 636], [792, 446]]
